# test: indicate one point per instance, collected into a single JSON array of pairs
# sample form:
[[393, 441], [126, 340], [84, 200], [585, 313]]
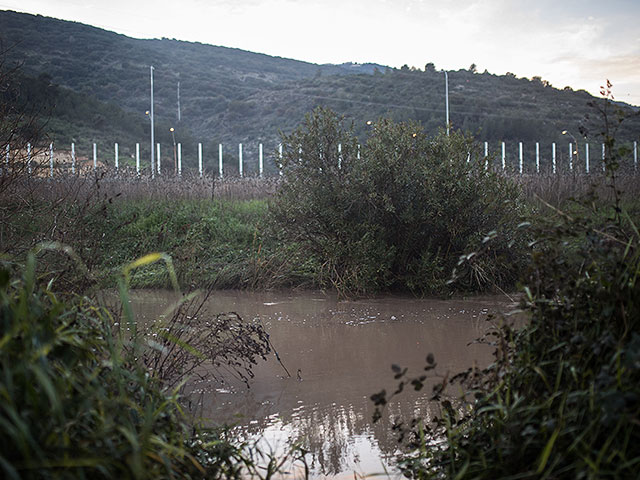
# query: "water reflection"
[[343, 351]]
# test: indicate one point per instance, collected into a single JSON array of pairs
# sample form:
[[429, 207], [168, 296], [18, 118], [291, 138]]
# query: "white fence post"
[[603, 158], [520, 157], [158, 156], [50, 159], [200, 159], [486, 155], [220, 159], [586, 157], [339, 156], [29, 157], [280, 157], [358, 154], [116, 156], [553, 157], [537, 157], [260, 161], [73, 158], [503, 157], [571, 157], [179, 159], [635, 156], [240, 159], [138, 159], [95, 157]]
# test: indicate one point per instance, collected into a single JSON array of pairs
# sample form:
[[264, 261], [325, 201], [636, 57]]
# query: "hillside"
[[67, 116], [229, 95]]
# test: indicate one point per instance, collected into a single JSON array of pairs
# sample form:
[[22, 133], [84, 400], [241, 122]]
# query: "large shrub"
[[397, 213]]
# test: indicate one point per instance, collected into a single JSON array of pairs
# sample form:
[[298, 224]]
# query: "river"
[[338, 354]]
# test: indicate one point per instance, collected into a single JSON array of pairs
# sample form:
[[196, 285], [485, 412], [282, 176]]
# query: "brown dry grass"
[[558, 189], [125, 184], [554, 189]]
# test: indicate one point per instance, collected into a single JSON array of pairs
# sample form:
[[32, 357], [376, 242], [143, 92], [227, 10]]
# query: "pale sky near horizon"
[[575, 43]]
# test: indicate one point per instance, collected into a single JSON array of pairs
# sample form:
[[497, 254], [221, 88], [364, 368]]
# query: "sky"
[[568, 43]]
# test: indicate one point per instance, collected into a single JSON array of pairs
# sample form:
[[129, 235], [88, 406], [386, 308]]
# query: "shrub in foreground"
[[562, 399], [75, 404]]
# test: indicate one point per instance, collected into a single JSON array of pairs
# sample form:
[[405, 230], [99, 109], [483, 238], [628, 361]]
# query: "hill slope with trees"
[[229, 95]]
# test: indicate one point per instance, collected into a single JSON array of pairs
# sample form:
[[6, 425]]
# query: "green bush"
[[75, 405], [562, 398], [397, 213]]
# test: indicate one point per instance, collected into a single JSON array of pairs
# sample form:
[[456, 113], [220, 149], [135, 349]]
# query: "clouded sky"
[[573, 42]]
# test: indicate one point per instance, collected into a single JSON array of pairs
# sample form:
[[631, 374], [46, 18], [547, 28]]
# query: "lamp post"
[[175, 157], [153, 142], [446, 97]]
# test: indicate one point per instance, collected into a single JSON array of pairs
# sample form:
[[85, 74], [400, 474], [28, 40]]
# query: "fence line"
[[572, 158]]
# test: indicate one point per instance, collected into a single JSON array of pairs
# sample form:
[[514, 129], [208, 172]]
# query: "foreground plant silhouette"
[[81, 400], [562, 397]]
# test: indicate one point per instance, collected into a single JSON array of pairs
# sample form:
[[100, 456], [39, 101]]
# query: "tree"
[[473, 68], [21, 120], [430, 67]]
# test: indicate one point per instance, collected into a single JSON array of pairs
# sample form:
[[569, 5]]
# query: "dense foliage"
[[397, 213], [562, 398], [77, 404]]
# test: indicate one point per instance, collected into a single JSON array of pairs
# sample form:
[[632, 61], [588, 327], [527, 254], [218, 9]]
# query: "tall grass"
[[221, 242], [75, 407], [558, 190], [128, 185], [83, 398], [229, 242]]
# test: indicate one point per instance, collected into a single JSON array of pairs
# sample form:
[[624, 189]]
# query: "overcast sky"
[[576, 43]]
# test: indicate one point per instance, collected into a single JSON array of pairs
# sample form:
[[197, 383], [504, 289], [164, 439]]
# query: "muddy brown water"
[[344, 351]]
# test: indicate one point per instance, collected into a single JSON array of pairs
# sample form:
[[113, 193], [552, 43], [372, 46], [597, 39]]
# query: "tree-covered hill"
[[229, 95], [66, 116]]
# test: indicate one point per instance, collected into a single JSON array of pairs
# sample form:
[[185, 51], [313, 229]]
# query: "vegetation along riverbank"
[[397, 214], [403, 212], [561, 399]]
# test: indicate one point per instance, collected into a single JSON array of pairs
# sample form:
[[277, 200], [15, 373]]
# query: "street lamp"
[[446, 97], [175, 157], [153, 142]]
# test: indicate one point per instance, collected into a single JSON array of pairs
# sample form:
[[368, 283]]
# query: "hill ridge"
[[232, 95]]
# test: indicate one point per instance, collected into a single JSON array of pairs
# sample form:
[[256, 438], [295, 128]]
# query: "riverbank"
[[217, 243], [224, 242]]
